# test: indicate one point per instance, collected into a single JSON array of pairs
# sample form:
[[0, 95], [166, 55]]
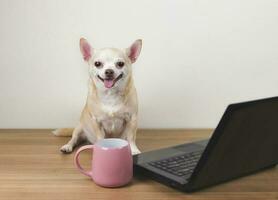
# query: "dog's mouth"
[[110, 82]]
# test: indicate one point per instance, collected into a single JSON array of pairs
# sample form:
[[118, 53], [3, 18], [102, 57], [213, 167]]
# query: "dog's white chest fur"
[[113, 119]]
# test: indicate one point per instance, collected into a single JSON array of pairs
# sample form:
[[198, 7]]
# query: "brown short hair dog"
[[111, 107]]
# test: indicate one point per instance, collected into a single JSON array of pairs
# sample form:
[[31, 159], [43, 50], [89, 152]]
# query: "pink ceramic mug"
[[112, 164]]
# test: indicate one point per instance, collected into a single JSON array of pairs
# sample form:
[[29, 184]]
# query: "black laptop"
[[244, 142]]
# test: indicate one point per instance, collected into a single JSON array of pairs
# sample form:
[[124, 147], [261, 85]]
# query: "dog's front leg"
[[97, 132], [130, 135], [76, 136]]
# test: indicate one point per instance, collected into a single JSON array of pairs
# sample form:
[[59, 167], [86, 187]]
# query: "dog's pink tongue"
[[108, 83]]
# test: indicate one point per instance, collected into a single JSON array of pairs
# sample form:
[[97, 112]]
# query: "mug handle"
[[76, 159]]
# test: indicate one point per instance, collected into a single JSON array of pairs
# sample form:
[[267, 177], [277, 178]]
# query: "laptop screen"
[[245, 141]]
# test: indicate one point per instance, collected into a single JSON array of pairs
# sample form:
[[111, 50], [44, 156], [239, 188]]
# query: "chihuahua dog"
[[111, 108]]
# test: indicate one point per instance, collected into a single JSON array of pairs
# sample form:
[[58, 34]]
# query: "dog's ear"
[[85, 49], [134, 50]]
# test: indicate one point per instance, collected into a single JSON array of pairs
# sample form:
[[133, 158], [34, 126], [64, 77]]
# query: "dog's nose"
[[109, 72]]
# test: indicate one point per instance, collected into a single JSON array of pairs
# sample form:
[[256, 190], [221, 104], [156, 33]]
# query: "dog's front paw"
[[134, 152], [66, 148]]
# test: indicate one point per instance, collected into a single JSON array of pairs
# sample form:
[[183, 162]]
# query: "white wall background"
[[197, 57]]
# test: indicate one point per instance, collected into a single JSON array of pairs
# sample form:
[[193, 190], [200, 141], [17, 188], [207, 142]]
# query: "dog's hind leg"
[[77, 134]]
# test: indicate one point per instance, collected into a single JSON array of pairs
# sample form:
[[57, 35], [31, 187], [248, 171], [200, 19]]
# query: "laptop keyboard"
[[182, 165]]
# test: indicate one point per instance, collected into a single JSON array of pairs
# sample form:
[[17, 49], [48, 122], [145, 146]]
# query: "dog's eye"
[[98, 64], [120, 64]]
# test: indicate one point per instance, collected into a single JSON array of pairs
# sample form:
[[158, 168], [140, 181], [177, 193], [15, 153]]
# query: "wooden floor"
[[31, 167]]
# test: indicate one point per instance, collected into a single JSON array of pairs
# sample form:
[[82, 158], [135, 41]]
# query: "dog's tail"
[[63, 132]]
